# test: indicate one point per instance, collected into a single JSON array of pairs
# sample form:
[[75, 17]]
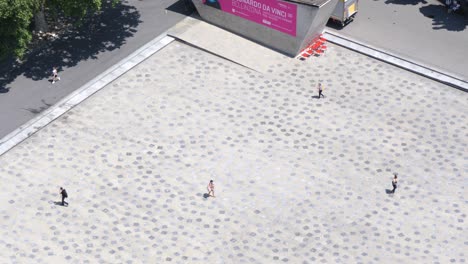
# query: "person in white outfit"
[[55, 76]]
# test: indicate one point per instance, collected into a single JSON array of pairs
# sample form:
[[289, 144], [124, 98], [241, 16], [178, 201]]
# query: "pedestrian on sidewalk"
[[394, 182], [210, 188], [320, 90], [64, 194], [55, 76]]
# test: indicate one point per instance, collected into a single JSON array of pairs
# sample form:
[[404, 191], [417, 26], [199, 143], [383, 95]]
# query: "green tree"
[[75, 8], [15, 19]]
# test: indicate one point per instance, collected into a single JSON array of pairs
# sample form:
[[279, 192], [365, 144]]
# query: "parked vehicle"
[[345, 11]]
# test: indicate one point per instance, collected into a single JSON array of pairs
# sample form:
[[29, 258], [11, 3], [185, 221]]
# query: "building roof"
[[317, 3]]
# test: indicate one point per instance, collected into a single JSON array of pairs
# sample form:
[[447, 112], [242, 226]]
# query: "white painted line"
[[81, 94]]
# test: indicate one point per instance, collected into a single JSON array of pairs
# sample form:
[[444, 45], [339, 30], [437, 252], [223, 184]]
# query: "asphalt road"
[[416, 29], [80, 56]]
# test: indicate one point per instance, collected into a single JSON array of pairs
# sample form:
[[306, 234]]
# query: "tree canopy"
[[15, 19], [75, 8], [17, 16]]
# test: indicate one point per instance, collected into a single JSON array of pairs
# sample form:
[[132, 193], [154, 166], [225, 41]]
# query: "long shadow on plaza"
[[405, 2], [441, 19], [317, 97], [184, 7], [105, 31]]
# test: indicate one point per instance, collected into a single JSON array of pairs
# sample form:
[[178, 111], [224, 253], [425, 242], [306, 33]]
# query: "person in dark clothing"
[[64, 194], [320, 90], [394, 182]]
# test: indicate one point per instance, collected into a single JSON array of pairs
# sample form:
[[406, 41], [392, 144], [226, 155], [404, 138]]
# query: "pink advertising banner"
[[274, 14]]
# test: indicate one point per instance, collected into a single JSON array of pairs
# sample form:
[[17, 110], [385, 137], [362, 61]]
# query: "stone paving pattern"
[[298, 179]]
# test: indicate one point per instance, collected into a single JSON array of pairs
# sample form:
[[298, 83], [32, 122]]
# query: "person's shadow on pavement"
[[60, 204]]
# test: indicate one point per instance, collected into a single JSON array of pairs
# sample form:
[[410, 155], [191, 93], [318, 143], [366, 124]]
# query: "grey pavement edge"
[[96, 84], [415, 67]]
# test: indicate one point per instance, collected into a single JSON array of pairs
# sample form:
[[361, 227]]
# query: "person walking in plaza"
[[55, 76], [210, 189], [64, 194], [320, 90], [394, 182]]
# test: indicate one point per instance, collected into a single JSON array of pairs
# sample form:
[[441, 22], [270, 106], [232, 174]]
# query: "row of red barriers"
[[317, 48]]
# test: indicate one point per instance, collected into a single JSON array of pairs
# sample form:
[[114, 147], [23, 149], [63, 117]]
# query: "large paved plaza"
[[298, 179]]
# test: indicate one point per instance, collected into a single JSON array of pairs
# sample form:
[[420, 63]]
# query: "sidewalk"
[[420, 31], [251, 55], [80, 57], [431, 72], [297, 178]]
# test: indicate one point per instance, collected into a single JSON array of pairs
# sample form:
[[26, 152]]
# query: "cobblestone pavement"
[[298, 179]]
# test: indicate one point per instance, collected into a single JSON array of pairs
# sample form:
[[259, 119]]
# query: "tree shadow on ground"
[[104, 31], [184, 7], [441, 19], [405, 2]]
